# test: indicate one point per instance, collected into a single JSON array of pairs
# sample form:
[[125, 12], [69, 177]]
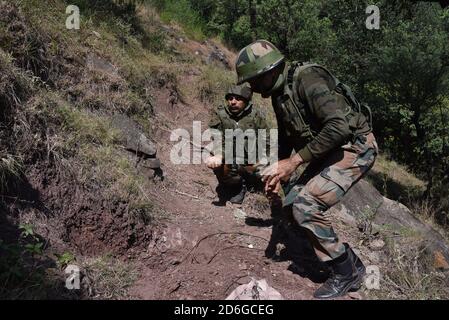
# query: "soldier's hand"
[[273, 194], [214, 162], [280, 171]]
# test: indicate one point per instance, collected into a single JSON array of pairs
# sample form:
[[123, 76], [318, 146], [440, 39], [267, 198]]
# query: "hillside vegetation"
[[71, 194]]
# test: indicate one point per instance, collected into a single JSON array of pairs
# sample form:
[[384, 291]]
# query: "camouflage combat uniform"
[[221, 119], [321, 120], [333, 137]]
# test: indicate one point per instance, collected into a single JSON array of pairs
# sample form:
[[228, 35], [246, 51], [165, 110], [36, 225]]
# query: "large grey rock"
[[363, 198], [217, 56], [132, 137], [255, 290]]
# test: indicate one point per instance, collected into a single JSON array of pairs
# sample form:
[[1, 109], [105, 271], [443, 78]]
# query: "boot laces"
[[333, 279]]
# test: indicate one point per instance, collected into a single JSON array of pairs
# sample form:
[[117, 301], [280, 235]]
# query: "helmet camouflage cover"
[[243, 91], [257, 58]]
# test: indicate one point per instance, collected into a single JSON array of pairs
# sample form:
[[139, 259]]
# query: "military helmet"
[[257, 58], [243, 90]]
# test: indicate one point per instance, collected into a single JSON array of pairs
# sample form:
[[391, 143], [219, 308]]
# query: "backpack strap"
[[301, 110], [340, 87]]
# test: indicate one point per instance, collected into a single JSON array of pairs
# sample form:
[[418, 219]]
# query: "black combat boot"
[[344, 277], [223, 195], [358, 264], [239, 197]]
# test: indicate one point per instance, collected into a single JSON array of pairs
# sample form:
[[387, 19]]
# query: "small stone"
[[250, 246], [239, 214], [355, 296], [440, 262], [377, 244]]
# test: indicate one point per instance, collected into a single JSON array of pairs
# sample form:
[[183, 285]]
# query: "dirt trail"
[[203, 251]]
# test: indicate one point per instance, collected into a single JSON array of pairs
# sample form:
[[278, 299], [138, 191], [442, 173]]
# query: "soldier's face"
[[236, 104], [263, 83]]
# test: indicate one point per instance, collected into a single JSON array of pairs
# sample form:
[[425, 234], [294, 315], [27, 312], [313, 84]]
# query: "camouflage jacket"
[[250, 118], [326, 120]]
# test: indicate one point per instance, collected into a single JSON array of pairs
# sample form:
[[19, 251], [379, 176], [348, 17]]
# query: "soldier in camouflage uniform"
[[238, 113], [321, 121]]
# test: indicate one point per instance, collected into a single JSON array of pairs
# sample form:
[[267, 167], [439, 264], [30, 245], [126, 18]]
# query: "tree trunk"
[[421, 135], [252, 11]]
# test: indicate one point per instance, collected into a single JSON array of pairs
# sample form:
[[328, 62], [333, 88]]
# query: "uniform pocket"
[[350, 168], [343, 177]]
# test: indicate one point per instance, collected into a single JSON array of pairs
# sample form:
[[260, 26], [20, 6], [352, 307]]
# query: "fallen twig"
[[216, 234], [17, 199], [247, 234], [230, 247], [188, 195]]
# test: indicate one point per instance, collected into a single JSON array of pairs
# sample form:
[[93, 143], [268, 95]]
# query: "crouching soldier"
[[238, 113]]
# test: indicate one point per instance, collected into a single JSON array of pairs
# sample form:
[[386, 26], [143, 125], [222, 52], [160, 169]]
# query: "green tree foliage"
[[296, 27], [409, 87], [400, 70]]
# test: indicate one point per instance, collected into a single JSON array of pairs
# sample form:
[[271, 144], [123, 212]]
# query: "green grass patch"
[[395, 181], [181, 12]]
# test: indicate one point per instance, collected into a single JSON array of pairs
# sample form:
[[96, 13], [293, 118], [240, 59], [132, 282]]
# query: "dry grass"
[[114, 174], [212, 85], [408, 274], [398, 173], [398, 183], [10, 170], [395, 181], [54, 112], [108, 277], [15, 85], [427, 212]]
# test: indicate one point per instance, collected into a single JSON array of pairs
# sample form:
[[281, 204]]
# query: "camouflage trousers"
[[322, 185]]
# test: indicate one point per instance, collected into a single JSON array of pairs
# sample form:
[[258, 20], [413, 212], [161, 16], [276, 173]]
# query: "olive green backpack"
[[352, 113]]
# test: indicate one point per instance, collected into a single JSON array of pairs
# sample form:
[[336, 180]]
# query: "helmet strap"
[[278, 84]]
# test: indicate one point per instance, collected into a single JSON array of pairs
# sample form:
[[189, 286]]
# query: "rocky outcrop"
[[134, 140], [364, 200], [217, 56]]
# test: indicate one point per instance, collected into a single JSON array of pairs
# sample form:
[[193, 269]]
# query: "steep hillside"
[[73, 193]]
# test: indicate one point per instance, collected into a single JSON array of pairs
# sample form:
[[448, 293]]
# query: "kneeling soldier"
[[238, 113]]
